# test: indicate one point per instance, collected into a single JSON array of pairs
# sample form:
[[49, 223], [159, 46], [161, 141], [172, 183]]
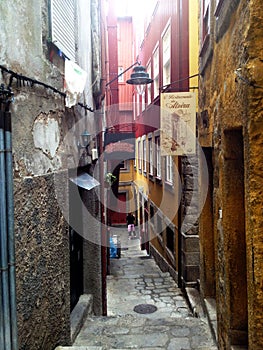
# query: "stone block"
[[190, 243], [190, 273], [79, 314], [191, 258]]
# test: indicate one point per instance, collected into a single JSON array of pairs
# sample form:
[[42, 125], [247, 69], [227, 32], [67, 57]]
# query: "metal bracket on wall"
[[6, 97]]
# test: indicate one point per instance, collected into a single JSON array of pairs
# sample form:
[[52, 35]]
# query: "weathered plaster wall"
[[40, 122], [234, 109], [42, 262]]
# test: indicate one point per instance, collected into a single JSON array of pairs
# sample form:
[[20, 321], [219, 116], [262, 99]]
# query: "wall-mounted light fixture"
[[88, 145], [85, 138], [140, 78]]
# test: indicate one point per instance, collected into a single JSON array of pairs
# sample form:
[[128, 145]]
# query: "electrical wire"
[[24, 80]]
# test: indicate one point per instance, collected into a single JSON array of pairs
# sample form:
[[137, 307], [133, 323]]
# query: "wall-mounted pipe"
[[10, 232], [1, 271], [8, 318], [3, 241]]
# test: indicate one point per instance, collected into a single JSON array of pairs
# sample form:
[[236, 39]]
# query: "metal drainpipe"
[[3, 242], [11, 235], [8, 318], [1, 294]]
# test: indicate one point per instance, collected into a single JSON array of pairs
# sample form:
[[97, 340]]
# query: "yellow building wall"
[[193, 45]]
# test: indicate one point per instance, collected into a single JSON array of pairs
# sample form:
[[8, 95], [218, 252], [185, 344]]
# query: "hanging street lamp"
[[140, 78]]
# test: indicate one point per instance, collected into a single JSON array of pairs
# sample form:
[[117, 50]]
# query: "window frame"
[[143, 101], [124, 166], [150, 155], [206, 27], [139, 155], [156, 71], [223, 13], [169, 169], [120, 74], [134, 106], [137, 103], [149, 86], [206, 44], [170, 239], [144, 155], [158, 158], [166, 54], [66, 22]]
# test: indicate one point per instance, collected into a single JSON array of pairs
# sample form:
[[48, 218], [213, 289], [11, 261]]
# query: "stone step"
[[141, 332], [101, 348], [82, 310], [79, 348]]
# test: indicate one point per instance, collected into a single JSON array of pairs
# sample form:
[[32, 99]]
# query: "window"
[[169, 169], [151, 8], [156, 73], [150, 145], [159, 226], [143, 101], [223, 13], [167, 56], [137, 105], [158, 157], [149, 86], [144, 156], [151, 211], [63, 26], [134, 106], [123, 165], [139, 155], [120, 71], [206, 20], [170, 239], [205, 31]]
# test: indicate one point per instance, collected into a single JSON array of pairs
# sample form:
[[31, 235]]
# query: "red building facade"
[[166, 50]]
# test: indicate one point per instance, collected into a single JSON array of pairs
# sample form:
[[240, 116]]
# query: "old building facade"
[[163, 182], [230, 132], [53, 237]]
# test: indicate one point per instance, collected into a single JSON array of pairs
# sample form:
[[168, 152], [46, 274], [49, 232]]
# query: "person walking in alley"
[[130, 223]]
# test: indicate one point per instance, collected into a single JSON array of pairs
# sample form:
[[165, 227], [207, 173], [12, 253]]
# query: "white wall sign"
[[178, 123]]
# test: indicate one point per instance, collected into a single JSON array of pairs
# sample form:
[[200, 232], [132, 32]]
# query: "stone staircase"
[[136, 281], [140, 332]]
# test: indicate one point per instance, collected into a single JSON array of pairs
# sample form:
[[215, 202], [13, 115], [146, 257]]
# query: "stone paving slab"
[[131, 332], [136, 279]]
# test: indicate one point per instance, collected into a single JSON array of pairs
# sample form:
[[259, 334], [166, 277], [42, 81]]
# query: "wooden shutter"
[[63, 26]]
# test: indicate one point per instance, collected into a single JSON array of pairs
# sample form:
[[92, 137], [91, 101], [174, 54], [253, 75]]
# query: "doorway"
[[76, 245], [207, 252], [119, 217], [235, 236]]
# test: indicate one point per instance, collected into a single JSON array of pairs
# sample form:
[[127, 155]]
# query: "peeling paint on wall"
[[46, 134]]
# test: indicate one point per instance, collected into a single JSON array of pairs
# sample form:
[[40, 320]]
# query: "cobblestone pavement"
[[135, 279]]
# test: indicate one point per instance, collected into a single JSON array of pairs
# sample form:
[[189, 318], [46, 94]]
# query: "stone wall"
[[231, 97], [42, 265], [40, 123], [189, 231], [253, 177]]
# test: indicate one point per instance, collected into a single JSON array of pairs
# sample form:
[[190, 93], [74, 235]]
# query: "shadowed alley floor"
[[136, 280]]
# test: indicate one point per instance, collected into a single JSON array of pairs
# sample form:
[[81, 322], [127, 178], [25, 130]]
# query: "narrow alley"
[[115, 116], [162, 319]]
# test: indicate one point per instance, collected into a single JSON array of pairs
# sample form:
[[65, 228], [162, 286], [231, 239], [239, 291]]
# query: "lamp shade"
[[140, 78], [85, 138]]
